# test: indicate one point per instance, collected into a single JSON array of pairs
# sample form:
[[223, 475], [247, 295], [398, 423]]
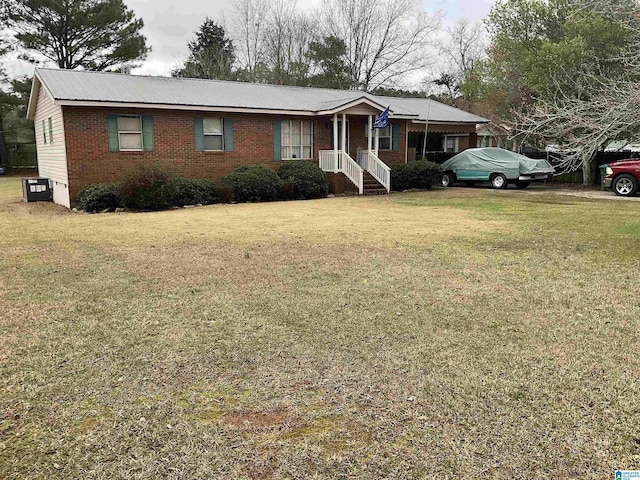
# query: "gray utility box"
[[37, 190]]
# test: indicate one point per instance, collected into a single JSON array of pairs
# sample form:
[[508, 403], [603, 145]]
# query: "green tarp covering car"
[[496, 165]]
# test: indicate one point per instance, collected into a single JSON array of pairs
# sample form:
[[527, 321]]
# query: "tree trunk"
[[4, 154], [588, 169]]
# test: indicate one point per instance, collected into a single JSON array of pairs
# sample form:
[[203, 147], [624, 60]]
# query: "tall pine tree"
[[89, 34], [211, 54]]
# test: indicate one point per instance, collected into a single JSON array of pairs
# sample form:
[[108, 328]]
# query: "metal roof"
[[109, 88]]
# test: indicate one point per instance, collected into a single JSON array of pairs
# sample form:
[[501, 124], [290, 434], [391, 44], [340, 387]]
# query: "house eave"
[[33, 96], [447, 122], [353, 103], [168, 106], [202, 108]]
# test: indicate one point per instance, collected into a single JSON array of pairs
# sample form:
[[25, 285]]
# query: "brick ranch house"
[[91, 127]]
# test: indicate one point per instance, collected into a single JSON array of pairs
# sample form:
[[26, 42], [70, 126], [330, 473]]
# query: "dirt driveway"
[[588, 193], [569, 191]]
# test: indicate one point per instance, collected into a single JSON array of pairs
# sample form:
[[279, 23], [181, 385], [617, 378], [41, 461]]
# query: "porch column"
[[377, 142], [344, 132], [369, 134], [335, 143]]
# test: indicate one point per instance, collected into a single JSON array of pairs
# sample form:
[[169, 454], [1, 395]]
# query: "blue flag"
[[382, 120]]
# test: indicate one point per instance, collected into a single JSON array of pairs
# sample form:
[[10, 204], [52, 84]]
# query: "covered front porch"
[[356, 148]]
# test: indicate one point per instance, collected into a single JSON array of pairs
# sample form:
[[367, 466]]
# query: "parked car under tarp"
[[496, 165]]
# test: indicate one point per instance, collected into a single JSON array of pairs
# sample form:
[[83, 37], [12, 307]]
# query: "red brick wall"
[[90, 161], [339, 184], [359, 125]]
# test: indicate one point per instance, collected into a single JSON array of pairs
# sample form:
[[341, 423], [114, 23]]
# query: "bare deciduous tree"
[[287, 37], [581, 126], [246, 24], [385, 40], [272, 40], [463, 46]]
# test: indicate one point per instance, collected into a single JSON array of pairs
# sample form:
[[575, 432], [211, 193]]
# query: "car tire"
[[499, 181], [523, 184], [447, 179], [625, 185]]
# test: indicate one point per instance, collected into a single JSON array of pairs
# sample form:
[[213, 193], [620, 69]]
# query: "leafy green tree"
[[539, 47], [211, 54], [14, 126], [8, 102], [21, 88], [89, 34]]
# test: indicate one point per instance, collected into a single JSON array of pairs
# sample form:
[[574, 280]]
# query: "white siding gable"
[[52, 155]]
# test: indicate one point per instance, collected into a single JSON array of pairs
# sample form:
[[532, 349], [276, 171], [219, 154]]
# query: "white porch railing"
[[362, 158], [338, 161], [353, 171], [379, 170], [330, 161]]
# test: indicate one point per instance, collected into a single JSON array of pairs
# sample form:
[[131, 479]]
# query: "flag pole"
[[426, 128]]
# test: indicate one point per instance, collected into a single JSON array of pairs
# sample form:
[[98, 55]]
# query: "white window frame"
[[301, 147], [380, 137], [50, 130], [221, 134], [139, 117], [44, 131]]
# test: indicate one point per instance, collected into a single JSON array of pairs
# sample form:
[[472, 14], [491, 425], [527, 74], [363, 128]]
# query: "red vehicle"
[[623, 177]]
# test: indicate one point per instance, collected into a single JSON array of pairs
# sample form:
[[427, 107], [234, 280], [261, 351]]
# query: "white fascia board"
[[442, 122], [354, 103], [199, 108], [33, 96], [36, 85]]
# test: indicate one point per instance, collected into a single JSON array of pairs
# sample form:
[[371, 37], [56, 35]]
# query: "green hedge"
[[253, 183], [305, 180], [192, 191], [96, 198], [147, 186], [418, 174]]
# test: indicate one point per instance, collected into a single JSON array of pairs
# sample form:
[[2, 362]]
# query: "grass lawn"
[[464, 333]]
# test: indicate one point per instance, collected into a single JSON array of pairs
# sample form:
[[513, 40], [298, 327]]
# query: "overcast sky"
[[170, 24]]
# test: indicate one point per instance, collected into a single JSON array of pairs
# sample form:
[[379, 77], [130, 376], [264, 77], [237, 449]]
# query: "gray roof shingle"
[[74, 85]]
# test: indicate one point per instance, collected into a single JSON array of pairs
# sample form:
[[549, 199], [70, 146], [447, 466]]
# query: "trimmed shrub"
[[226, 194], [305, 180], [101, 196], [148, 186], [418, 174], [191, 191], [254, 183]]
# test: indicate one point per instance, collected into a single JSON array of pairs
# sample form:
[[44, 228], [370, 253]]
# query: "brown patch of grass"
[[257, 420]]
